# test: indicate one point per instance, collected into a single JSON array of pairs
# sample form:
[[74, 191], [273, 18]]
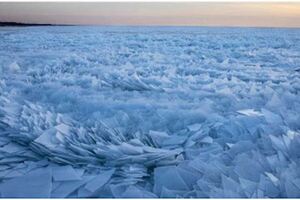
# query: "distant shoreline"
[[29, 24]]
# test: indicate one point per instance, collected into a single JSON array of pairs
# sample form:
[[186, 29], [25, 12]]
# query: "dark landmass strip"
[[28, 24]]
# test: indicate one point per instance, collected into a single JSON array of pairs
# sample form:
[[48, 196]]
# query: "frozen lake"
[[149, 112]]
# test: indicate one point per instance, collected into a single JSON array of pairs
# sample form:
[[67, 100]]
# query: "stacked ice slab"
[[149, 112]]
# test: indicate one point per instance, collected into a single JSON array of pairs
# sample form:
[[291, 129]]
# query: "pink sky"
[[142, 13]]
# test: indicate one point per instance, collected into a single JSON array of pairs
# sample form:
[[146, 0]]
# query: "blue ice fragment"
[[65, 173], [99, 180], [250, 112], [167, 193], [136, 192], [249, 187], [292, 191], [229, 184], [269, 188], [63, 128], [35, 184], [271, 117], [207, 140], [169, 178], [67, 187], [118, 189], [158, 137], [12, 148], [14, 173], [297, 182], [48, 139], [273, 178], [4, 167], [188, 174], [240, 147], [84, 193], [194, 127], [247, 168], [279, 144], [173, 140], [129, 149]]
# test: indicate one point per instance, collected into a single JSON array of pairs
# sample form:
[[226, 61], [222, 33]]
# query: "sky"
[[255, 14]]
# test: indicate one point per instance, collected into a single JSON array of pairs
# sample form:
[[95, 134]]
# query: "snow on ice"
[[149, 112]]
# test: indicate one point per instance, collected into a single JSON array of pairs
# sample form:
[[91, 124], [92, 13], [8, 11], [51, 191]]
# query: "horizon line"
[[141, 25]]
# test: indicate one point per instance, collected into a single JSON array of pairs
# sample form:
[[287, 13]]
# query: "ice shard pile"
[[149, 112]]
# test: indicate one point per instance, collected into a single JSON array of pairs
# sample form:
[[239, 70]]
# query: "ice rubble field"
[[149, 112]]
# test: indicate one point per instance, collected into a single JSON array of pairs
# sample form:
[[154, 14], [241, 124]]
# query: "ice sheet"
[[149, 112]]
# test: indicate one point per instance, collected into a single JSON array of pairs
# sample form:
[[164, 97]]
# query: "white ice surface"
[[149, 112]]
